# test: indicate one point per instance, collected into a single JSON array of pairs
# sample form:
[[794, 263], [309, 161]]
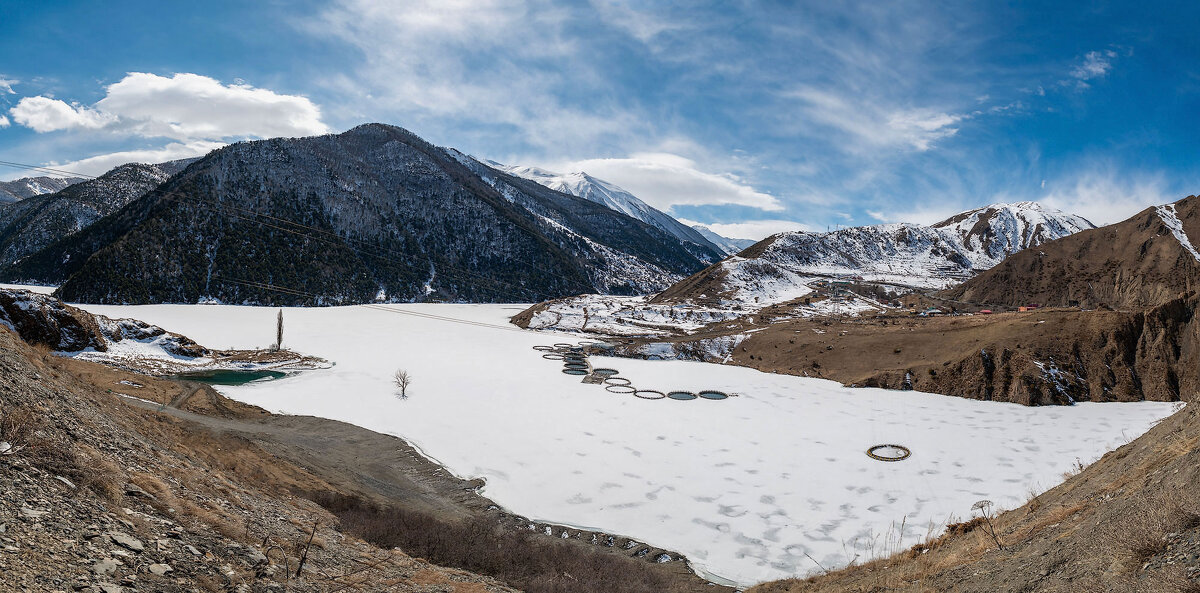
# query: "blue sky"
[[750, 116]]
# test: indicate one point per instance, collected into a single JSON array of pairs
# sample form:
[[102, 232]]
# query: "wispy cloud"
[[664, 180], [874, 125], [503, 67], [753, 229], [1095, 64], [6, 85], [1104, 196], [4, 123]]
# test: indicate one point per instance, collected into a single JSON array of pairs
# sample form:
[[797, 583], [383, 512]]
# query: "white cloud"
[[43, 114], [873, 124], [664, 180], [753, 229], [642, 25], [1104, 197], [195, 113], [189, 106], [1095, 65], [918, 213], [4, 123], [99, 164], [500, 67], [6, 85], [183, 107]]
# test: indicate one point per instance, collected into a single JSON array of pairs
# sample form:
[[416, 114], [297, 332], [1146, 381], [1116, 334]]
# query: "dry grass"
[[1146, 521], [481, 545], [32, 439]]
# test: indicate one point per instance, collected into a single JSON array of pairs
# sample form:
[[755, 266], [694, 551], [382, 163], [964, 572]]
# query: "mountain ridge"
[[609, 194], [1143, 261], [34, 223], [779, 267], [28, 187], [374, 213]]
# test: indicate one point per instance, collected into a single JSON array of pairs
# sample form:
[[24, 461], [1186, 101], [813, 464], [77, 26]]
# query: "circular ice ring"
[[901, 452]]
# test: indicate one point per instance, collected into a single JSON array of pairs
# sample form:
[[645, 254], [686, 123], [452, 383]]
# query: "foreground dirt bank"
[[347, 468]]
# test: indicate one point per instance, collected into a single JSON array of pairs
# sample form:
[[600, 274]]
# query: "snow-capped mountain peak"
[[27, 187], [943, 254], [999, 230], [609, 194]]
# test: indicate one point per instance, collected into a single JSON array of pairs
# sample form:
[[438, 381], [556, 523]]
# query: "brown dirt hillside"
[[210, 488], [1132, 264], [1128, 523], [1047, 356], [709, 284], [100, 496]]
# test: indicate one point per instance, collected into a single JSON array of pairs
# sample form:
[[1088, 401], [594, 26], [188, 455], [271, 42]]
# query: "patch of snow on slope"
[[748, 488], [1169, 218], [625, 316]]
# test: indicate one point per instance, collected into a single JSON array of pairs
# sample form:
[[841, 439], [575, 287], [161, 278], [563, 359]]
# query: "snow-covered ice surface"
[[30, 288], [745, 487]]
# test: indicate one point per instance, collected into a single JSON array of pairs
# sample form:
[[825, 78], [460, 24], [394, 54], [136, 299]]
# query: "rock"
[[106, 566], [29, 513], [132, 489], [3, 527], [254, 557], [159, 569], [191, 549], [111, 588], [126, 541], [65, 481]]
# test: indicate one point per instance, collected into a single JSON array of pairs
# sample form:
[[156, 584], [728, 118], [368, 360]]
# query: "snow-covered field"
[[747, 487], [31, 288]]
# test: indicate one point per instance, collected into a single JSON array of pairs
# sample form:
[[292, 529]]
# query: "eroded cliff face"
[[46, 321], [1149, 355]]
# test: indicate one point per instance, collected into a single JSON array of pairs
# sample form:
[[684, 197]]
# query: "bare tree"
[[401, 379], [279, 331]]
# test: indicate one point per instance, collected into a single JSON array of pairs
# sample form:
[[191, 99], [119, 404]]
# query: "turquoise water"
[[230, 377]]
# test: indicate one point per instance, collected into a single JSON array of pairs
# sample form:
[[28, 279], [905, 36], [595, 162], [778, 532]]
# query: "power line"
[[433, 316], [340, 240]]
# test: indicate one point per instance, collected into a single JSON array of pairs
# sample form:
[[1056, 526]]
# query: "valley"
[[722, 420], [721, 482]]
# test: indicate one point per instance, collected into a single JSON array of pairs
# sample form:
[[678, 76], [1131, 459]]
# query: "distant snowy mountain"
[[27, 187], [780, 267], [729, 245], [997, 231], [603, 192], [37, 221]]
